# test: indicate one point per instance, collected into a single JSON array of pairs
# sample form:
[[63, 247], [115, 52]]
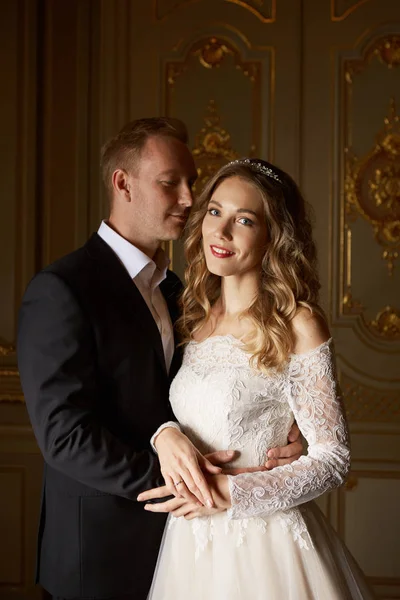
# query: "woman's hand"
[[183, 467], [182, 507]]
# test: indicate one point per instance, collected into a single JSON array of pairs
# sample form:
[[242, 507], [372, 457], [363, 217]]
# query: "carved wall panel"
[[20, 482], [356, 515], [200, 82], [368, 211]]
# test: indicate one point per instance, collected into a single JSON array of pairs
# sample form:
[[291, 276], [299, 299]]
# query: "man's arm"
[[57, 362]]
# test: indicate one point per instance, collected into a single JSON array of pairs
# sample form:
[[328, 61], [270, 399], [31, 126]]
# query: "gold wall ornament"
[[372, 187], [387, 323], [340, 9], [212, 147], [212, 53], [388, 51], [173, 70], [351, 306], [6, 349]]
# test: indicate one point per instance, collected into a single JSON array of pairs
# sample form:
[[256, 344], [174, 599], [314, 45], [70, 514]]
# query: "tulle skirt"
[[256, 560]]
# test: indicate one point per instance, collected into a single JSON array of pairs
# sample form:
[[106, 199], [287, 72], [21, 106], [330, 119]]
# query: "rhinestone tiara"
[[256, 166]]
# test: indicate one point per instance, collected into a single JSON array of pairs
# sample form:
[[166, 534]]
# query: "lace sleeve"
[[313, 394]]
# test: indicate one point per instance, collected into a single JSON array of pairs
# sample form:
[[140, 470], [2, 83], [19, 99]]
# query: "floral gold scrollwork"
[[212, 148], [211, 53], [387, 323], [372, 187]]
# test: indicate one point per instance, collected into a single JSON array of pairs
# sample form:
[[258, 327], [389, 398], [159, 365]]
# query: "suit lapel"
[[119, 277], [171, 289]]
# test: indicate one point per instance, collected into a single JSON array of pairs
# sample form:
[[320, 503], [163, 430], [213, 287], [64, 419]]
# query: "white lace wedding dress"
[[274, 543]]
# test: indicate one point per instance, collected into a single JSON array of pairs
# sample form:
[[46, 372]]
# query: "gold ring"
[[178, 482]]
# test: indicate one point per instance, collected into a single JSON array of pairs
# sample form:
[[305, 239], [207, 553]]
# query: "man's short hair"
[[123, 150]]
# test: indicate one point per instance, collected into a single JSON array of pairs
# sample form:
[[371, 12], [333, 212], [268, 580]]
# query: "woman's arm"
[[314, 397]]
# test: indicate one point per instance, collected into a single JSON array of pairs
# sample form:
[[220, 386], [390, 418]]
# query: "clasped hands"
[[198, 483]]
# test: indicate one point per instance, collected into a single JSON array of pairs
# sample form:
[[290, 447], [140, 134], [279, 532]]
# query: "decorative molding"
[[372, 188], [264, 11], [10, 386], [212, 148], [339, 13], [367, 197], [21, 471], [160, 14], [369, 404], [353, 480], [230, 52], [386, 48], [211, 53], [26, 223]]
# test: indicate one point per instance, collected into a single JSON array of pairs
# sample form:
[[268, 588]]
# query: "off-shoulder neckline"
[[240, 342]]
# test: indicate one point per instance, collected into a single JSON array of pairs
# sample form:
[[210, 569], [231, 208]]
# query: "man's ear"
[[120, 184]]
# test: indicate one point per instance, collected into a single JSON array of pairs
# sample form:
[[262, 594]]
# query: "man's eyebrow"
[[168, 172], [239, 210]]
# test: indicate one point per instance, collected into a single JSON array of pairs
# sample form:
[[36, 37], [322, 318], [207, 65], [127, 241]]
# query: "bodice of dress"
[[221, 402]]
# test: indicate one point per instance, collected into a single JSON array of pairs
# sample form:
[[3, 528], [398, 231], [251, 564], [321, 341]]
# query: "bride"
[[258, 355]]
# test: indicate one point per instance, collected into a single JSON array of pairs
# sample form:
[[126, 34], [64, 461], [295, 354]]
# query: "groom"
[[96, 354]]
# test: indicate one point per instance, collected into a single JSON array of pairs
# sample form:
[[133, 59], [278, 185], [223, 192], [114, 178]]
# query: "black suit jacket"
[[96, 387]]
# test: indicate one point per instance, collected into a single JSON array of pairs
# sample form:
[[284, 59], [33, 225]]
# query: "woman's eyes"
[[169, 183], [242, 220], [245, 221]]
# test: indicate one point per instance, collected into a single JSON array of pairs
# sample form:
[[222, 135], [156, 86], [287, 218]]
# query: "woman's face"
[[234, 229]]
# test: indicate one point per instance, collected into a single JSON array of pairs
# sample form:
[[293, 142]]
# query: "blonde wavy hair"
[[289, 277]]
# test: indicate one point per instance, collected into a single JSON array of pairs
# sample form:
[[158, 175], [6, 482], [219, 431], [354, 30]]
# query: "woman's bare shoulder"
[[309, 329]]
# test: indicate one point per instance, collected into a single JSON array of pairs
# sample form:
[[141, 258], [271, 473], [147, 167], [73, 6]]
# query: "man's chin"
[[174, 234]]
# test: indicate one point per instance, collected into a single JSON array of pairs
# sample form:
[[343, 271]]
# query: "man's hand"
[[276, 457], [181, 507], [183, 467]]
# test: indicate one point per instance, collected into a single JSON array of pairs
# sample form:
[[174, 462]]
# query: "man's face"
[[161, 189]]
